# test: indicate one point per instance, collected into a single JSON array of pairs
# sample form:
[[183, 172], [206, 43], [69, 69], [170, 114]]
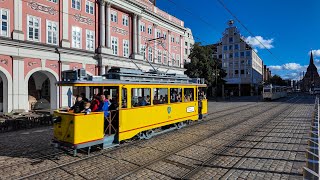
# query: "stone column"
[[169, 48], [19, 86], [135, 34], [65, 25], [139, 35], [108, 28], [17, 31], [102, 24]]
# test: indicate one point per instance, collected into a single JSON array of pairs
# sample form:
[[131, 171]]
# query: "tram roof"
[[110, 82]]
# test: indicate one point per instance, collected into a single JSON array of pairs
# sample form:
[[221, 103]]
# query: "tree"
[[277, 80], [203, 65]]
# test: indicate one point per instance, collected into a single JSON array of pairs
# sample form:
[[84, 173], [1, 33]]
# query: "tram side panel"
[[138, 119], [204, 106], [76, 129]]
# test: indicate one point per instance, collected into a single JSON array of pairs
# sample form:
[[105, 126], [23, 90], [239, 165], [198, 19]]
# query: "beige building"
[[242, 64], [188, 43]]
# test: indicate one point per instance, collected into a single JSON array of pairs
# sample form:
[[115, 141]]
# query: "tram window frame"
[[179, 91], [185, 90], [200, 90], [144, 95], [124, 98], [156, 93]]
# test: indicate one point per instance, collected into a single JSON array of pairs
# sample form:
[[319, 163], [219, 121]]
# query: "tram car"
[[271, 92], [143, 105]]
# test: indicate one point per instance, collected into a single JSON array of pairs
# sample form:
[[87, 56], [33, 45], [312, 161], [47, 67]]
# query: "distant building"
[[188, 43], [311, 77], [242, 64]]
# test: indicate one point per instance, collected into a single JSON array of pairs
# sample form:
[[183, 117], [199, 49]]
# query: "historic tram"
[[144, 104], [271, 92]]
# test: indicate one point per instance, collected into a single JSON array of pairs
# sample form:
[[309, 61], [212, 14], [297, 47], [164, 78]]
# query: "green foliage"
[[277, 80], [203, 65]]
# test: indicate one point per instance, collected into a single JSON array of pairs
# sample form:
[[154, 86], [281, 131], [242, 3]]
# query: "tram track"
[[145, 166], [234, 110], [54, 155], [232, 143]]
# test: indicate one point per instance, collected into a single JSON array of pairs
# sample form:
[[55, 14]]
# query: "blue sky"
[[289, 28]]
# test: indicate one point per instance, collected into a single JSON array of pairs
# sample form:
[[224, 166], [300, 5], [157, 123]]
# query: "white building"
[[242, 64], [188, 43]]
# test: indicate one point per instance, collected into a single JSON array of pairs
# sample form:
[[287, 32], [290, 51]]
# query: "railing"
[[311, 171]]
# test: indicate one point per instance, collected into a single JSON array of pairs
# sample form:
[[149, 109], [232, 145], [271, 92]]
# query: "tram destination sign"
[[190, 109]]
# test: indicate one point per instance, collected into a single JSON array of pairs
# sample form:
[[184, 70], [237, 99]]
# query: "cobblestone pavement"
[[225, 145]]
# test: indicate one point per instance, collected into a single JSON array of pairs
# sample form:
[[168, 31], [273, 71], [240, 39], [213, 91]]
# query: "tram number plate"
[[190, 109]]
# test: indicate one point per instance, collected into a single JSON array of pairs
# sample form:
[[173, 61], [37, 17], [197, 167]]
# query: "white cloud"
[[287, 66], [259, 42], [316, 53], [291, 66], [292, 75], [276, 67]]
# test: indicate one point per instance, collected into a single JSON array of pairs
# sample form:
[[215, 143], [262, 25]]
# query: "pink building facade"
[[41, 38]]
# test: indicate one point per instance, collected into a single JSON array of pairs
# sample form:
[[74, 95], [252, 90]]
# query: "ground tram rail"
[[129, 119]]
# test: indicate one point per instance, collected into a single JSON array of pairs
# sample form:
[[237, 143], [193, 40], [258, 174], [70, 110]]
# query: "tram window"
[[140, 97], [266, 90], [202, 93], [124, 98], [175, 95], [160, 96], [188, 94]]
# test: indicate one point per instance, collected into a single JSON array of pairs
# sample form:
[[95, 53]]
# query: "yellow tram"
[[171, 101]]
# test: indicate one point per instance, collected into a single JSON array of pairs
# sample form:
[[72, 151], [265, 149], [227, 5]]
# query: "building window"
[[150, 54], [158, 33], [220, 56], [186, 43], [230, 39], [52, 32], [224, 56], [142, 27], [248, 53], [248, 62], [76, 4], [90, 40], [242, 71], [33, 28], [248, 71], [76, 37], [149, 30], [242, 62], [236, 54], [186, 51], [236, 71], [178, 60], [178, 40], [242, 54], [164, 35], [165, 57], [114, 45], [225, 64], [159, 56], [125, 48], [230, 55], [125, 20], [89, 7], [54, 1], [143, 50], [236, 46], [230, 47], [225, 48], [114, 16], [4, 20], [172, 38], [172, 58]]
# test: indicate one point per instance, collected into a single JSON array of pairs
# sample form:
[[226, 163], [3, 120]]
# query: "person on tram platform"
[[78, 105], [95, 104], [104, 107]]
